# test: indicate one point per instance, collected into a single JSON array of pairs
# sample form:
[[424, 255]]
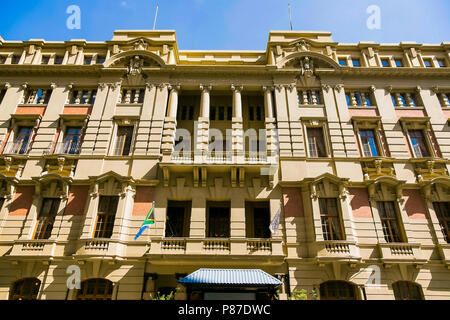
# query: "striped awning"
[[230, 278]]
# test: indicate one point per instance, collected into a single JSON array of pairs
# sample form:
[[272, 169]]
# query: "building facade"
[[348, 143]]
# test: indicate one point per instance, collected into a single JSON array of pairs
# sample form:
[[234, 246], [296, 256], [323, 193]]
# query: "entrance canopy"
[[230, 278]]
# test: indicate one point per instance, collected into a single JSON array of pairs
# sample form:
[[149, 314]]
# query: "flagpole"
[[290, 15], [156, 16]]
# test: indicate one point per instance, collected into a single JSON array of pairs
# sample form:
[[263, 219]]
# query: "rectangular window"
[[343, 62], [59, 59], [442, 210], [389, 221], [221, 113], [212, 113], [38, 96], [3, 59], [369, 144], [258, 113], [15, 59], [316, 143], [104, 225], [251, 115], [385, 63], [441, 63], [356, 62], [398, 63], [178, 219], [23, 140], [100, 59], [87, 60], [428, 63], [419, 144], [331, 222], [218, 220], [229, 113], [45, 59], [257, 217], [49, 210], [2, 94], [72, 141], [123, 140]]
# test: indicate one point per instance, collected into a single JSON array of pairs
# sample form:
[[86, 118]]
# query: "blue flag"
[[149, 220]]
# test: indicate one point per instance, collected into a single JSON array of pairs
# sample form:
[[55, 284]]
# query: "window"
[[105, 218], [59, 60], [331, 222], [38, 96], [83, 96], [100, 59], [45, 60], [398, 63], [257, 218], [95, 289], [178, 219], [337, 290], [72, 139], [3, 59], [186, 113], [220, 113], [419, 144], [218, 220], [369, 144], [343, 62], [356, 62], [385, 63], [25, 289], [46, 219], [123, 140], [316, 143], [358, 99], [444, 99], [15, 59], [441, 63], [389, 221], [2, 94], [405, 290], [22, 142], [87, 60], [309, 97], [442, 210], [428, 63]]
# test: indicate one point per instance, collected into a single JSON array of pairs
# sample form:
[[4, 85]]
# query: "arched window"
[[405, 290], [25, 289], [95, 289], [337, 290]]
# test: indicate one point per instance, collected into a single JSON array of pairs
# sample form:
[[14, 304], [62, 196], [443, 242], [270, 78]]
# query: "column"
[[170, 124], [237, 124], [202, 128], [271, 136]]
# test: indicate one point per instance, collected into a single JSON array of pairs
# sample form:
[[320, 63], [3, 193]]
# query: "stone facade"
[[302, 85]]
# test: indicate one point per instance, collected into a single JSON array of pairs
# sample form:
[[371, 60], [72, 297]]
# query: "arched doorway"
[[406, 290], [95, 289], [338, 290], [25, 289]]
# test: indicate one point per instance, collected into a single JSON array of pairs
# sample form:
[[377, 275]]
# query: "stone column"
[[170, 124], [237, 125], [202, 129], [270, 121]]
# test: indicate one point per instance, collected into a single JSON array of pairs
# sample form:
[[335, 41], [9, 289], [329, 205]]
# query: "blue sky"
[[228, 24]]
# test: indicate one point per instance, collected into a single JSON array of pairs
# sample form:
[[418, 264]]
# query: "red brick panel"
[[414, 204], [76, 204], [77, 110], [143, 201], [293, 202], [22, 201], [30, 110], [359, 200]]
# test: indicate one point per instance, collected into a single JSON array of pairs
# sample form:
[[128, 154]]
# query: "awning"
[[252, 278]]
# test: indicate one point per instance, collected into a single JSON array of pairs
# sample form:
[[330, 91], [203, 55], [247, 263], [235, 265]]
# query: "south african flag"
[[149, 220]]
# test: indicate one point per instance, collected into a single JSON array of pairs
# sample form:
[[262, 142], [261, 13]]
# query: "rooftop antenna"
[[290, 16], [156, 16]]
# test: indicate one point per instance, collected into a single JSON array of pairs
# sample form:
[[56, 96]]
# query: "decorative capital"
[[389, 89], [326, 87], [176, 87], [69, 86], [237, 88], [102, 85], [418, 89], [278, 87], [267, 88], [205, 88], [53, 86], [373, 88], [291, 86], [149, 85], [7, 85], [24, 86], [339, 87], [435, 89]]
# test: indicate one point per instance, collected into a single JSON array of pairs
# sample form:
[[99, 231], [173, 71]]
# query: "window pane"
[[419, 144], [316, 142]]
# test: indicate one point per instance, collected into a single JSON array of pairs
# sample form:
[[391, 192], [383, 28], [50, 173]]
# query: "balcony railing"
[[65, 148], [219, 157], [182, 156], [19, 148], [259, 245], [401, 252], [256, 157], [174, 244], [216, 244], [337, 250]]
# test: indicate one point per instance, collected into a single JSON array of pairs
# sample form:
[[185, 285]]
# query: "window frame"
[[375, 125], [398, 292], [45, 219], [328, 216], [351, 289], [187, 208], [116, 141], [444, 222], [99, 233], [107, 294], [32, 295], [383, 218], [218, 204], [309, 123]]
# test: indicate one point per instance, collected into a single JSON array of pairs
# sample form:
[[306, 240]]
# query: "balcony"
[[37, 248], [65, 148], [256, 157], [100, 248], [17, 148], [219, 157], [186, 157], [444, 249], [401, 253], [336, 250]]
